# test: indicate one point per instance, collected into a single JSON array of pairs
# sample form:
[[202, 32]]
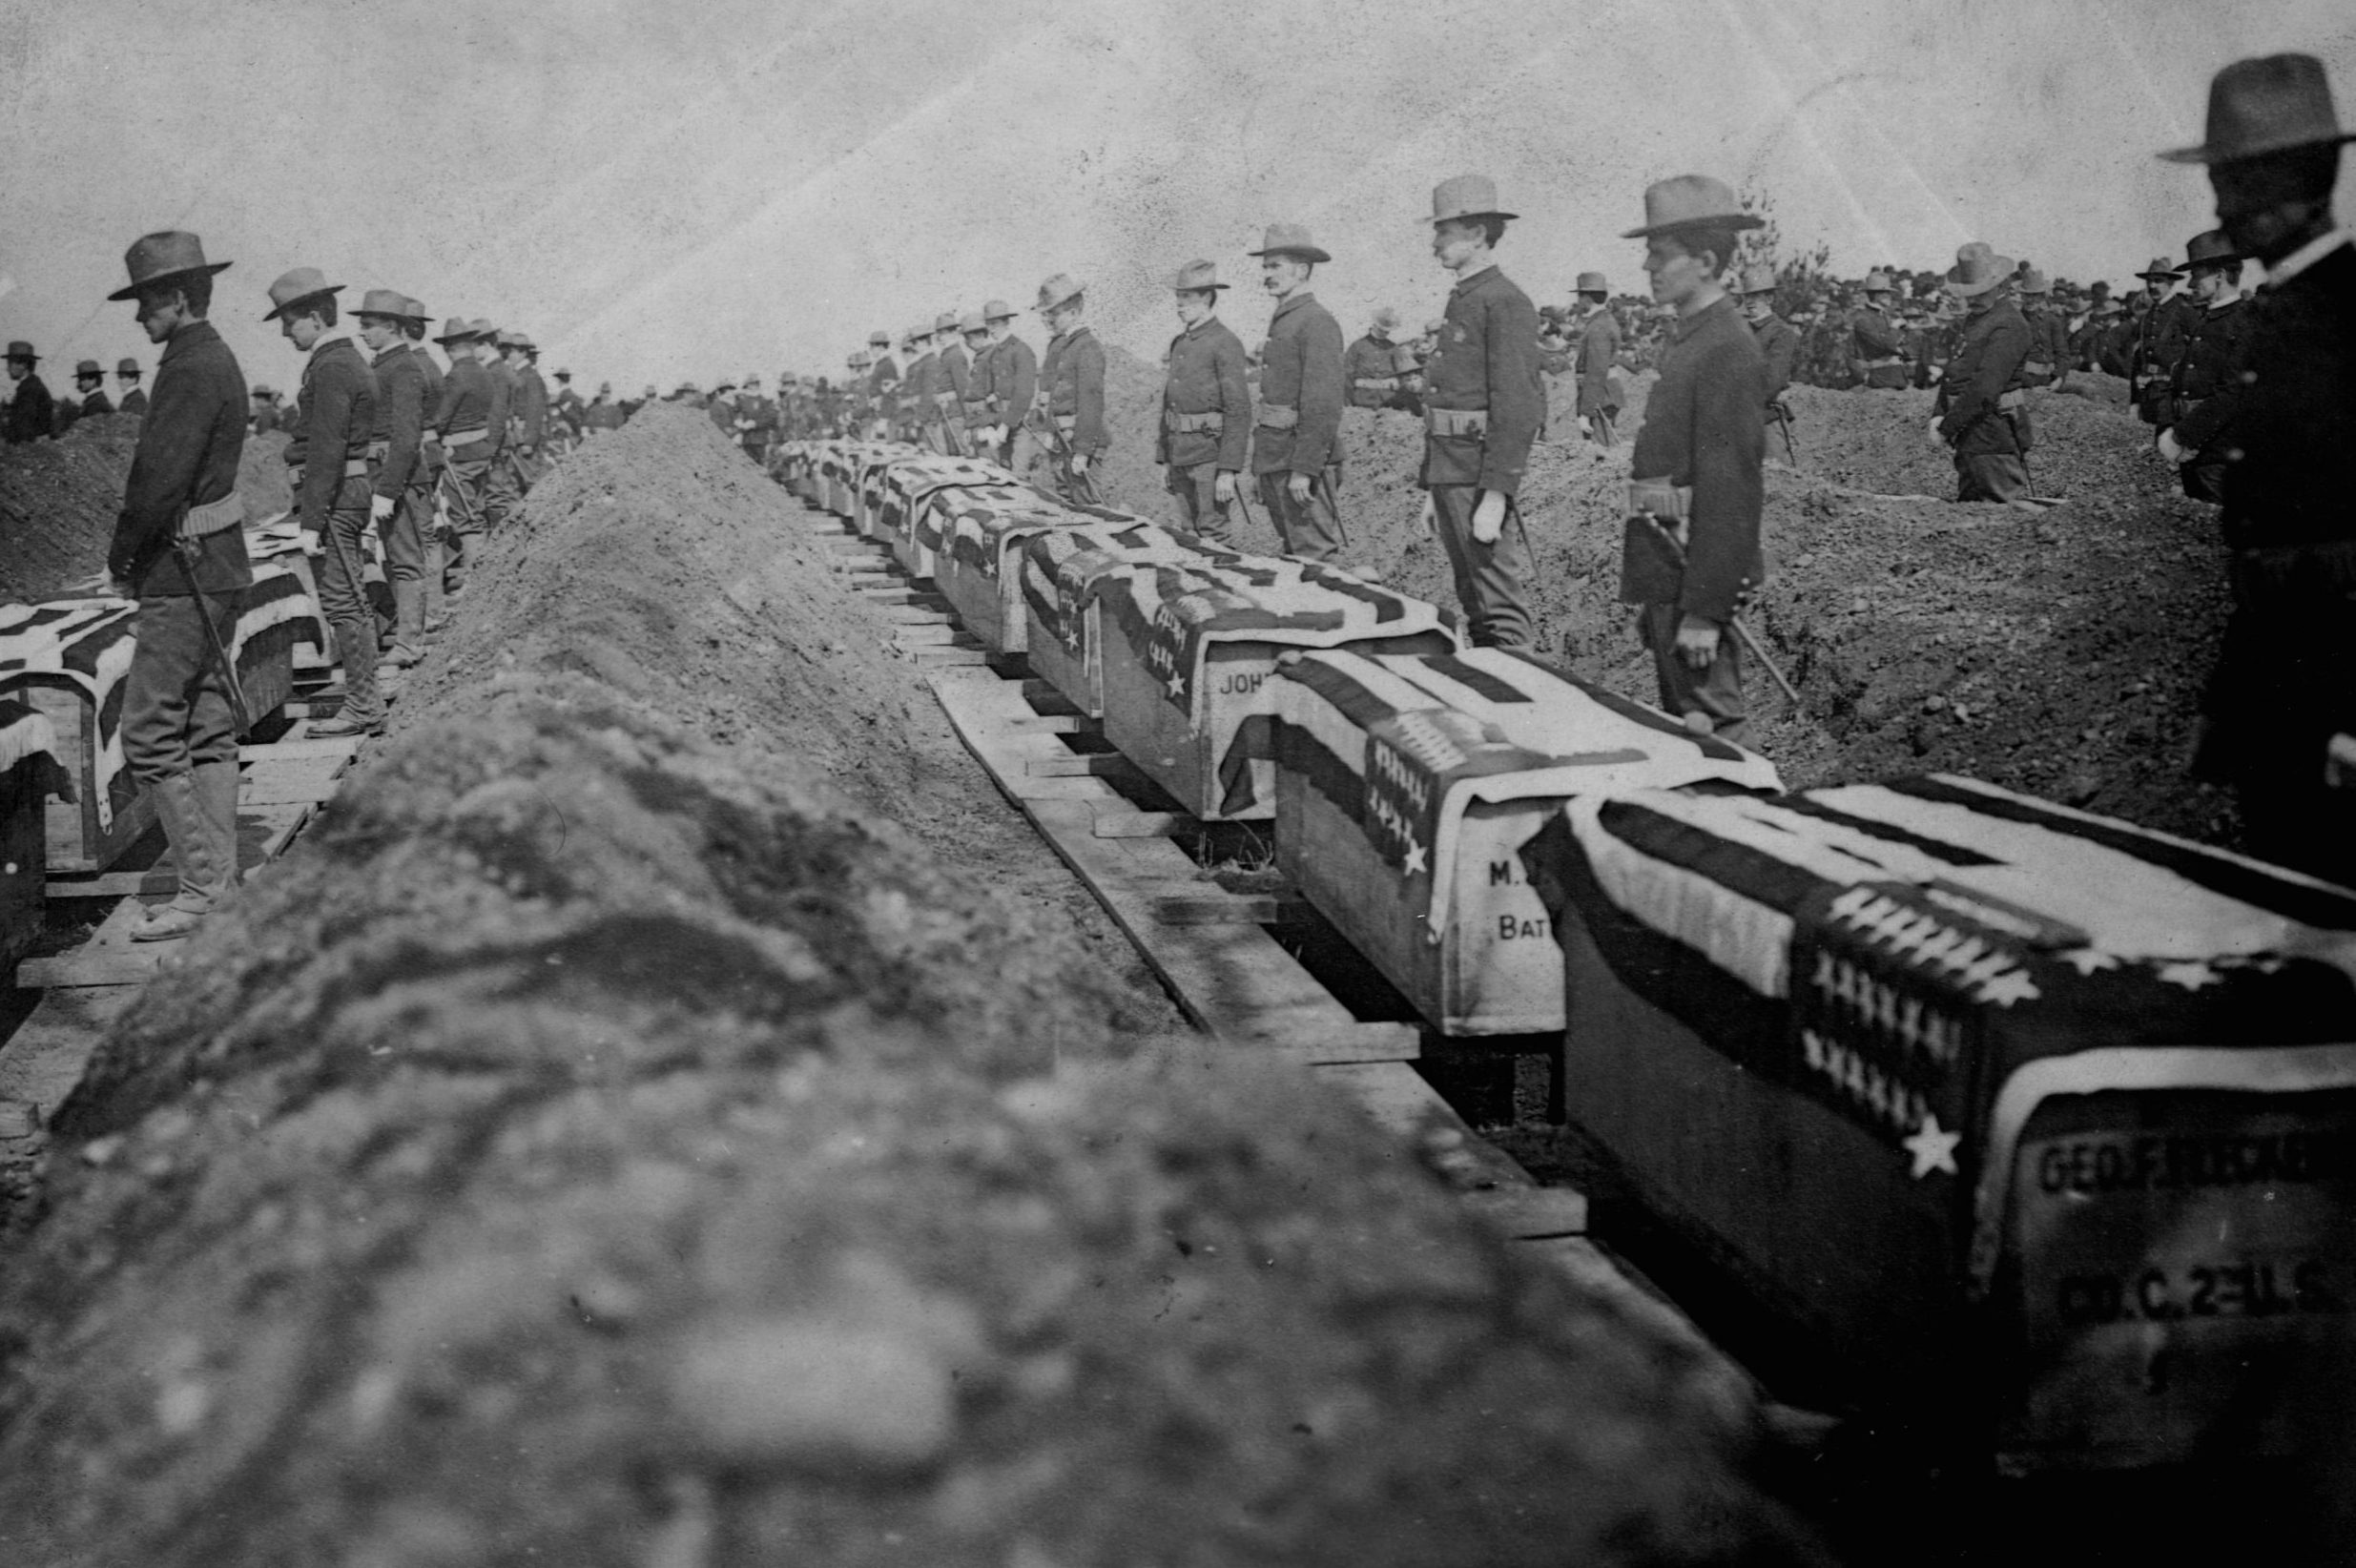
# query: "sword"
[[1742, 629], [190, 552]]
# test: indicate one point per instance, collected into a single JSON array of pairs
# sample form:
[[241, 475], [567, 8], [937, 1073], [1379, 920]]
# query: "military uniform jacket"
[[2162, 333], [1072, 382], [957, 373], [431, 455], [400, 419], [1872, 336], [1487, 358], [531, 406], [1206, 377], [97, 403], [2049, 340], [1369, 360], [919, 387], [187, 457], [1985, 365], [1779, 344], [465, 405], [1301, 369], [335, 419], [501, 376], [135, 402], [32, 410], [1702, 432], [1599, 352], [882, 384], [567, 406], [2211, 355], [1014, 379]]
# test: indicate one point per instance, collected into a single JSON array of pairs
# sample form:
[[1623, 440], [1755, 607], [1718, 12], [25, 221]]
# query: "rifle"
[[1672, 550], [1782, 416], [189, 551]]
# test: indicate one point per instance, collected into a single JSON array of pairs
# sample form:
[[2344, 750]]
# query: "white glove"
[[1430, 517], [379, 507], [1489, 517], [1932, 428], [1080, 463], [2169, 448], [312, 546]]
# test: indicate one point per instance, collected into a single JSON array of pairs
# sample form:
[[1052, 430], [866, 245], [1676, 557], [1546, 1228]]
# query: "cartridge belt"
[[1275, 416], [1456, 421]]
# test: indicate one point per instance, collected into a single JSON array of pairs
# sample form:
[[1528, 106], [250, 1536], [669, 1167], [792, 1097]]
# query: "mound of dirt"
[[598, 1144], [2061, 654]]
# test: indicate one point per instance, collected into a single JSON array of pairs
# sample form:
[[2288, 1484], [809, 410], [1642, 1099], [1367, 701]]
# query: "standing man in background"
[[1877, 351], [398, 503], [1483, 402], [1696, 472], [1206, 421], [1296, 442], [952, 374], [32, 413], [1599, 356], [499, 489], [1014, 384], [1071, 388], [461, 424], [1373, 373], [1779, 342], [1983, 404], [128, 398], [90, 388], [179, 550]]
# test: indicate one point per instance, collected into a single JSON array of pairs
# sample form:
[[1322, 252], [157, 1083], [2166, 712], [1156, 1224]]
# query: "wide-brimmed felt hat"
[[1978, 269], [1289, 239], [972, 322], [414, 310], [260, 389], [564, 375], [165, 254], [1591, 283], [945, 322], [2161, 269], [19, 349], [1878, 282], [88, 367], [2270, 104], [2033, 281], [383, 303], [998, 310], [127, 367], [458, 329], [2211, 248], [1058, 290], [1466, 195], [1197, 278], [293, 288], [1691, 201], [1387, 318], [1759, 277], [879, 340]]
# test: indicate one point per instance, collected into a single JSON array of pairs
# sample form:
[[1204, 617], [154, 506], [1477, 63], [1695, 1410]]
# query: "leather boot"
[[193, 849], [408, 622], [217, 797]]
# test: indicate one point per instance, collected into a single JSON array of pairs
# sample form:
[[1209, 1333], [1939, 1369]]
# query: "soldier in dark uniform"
[[531, 410], [1778, 342], [1072, 387], [2049, 335], [2160, 332], [462, 425], [128, 398], [1206, 423], [1982, 406], [567, 406], [90, 388], [32, 413], [2206, 368], [953, 371], [2286, 428], [1483, 403], [1367, 364], [1876, 355], [882, 385], [328, 455], [1698, 464], [920, 387], [399, 504], [1014, 383], [499, 489], [1597, 366], [976, 409], [431, 460], [179, 550], [1297, 453]]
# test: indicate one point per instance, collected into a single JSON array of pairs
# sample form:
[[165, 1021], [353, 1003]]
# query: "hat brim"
[[131, 291], [1200, 288], [456, 337], [2205, 153], [1045, 305], [1307, 252], [1466, 217], [305, 299], [1684, 226], [2159, 276]]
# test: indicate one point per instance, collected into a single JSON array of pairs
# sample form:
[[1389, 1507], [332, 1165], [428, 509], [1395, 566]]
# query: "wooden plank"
[[1530, 1212], [939, 634], [1214, 907], [1056, 724], [1400, 1101], [280, 823], [910, 616], [1083, 765], [1141, 824], [936, 658], [1335, 1043], [116, 966], [115, 884], [44, 1059], [287, 789]]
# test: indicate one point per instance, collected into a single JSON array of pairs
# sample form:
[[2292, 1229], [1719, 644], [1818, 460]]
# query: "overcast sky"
[[699, 188]]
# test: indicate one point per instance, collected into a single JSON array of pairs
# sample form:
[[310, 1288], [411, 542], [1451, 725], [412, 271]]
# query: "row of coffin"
[[67, 802], [2047, 1122]]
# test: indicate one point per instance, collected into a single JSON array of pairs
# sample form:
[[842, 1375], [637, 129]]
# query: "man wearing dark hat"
[[1014, 384], [2165, 320], [2287, 434], [2049, 334], [2207, 368], [1876, 353], [1597, 359], [461, 424], [1698, 460], [1072, 387], [499, 489], [603, 413], [328, 453], [1482, 406], [399, 503], [1982, 410], [90, 386], [179, 550], [1779, 342], [129, 398], [1369, 365], [881, 386], [567, 406], [1206, 408], [1296, 440], [32, 413]]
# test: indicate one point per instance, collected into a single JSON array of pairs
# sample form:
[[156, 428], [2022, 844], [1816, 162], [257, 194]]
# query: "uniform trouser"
[[1715, 693], [403, 535], [180, 738], [501, 491], [465, 488], [1018, 452], [1196, 486], [1076, 487], [1991, 476], [1492, 580], [937, 439], [435, 507], [344, 599], [2204, 479], [1311, 529]]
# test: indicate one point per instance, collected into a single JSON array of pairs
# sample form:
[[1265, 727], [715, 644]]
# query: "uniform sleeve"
[[502, 403], [982, 379], [2214, 422], [1317, 442], [1022, 386], [1516, 399], [535, 399], [1781, 350], [1728, 445], [326, 422], [1594, 368], [446, 408], [1088, 390], [163, 469], [404, 425], [1234, 405], [959, 377]]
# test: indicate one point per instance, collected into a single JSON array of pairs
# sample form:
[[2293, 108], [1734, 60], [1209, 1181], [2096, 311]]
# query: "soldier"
[[129, 398], [399, 503], [2207, 369], [975, 408], [531, 409], [755, 420], [1697, 468], [567, 406], [1598, 360], [2049, 336], [1982, 408], [955, 371], [2164, 324], [500, 490], [603, 413], [882, 384], [461, 424], [263, 417], [328, 455], [1876, 355], [1070, 400], [431, 460], [1014, 383], [1206, 408], [1778, 342], [1369, 366], [1296, 443], [32, 413], [1482, 407], [179, 551], [2287, 430], [90, 386], [920, 385]]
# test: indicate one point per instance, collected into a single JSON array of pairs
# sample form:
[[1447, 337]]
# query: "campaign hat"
[[880, 339], [1591, 283], [1689, 202], [1759, 277], [1058, 290], [19, 349], [414, 310], [1289, 239], [945, 322], [1466, 195], [296, 286], [168, 253], [971, 323], [2270, 104], [1387, 317], [383, 303], [2161, 269], [2213, 248], [88, 367], [1978, 269], [458, 329], [1196, 277], [126, 367], [998, 310], [2033, 281]]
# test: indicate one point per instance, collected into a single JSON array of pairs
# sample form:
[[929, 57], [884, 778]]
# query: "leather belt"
[[945, 401], [1274, 416], [376, 450], [1208, 424], [213, 517], [466, 438], [2010, 400], [2037, 367], [1882, 364], [1456, 421]]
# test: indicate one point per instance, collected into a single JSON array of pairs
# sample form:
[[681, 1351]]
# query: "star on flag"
[[1417, 862], [1177, 686], [2012, 987], [2088, 960], [1933, 1148], [2192, 975]]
